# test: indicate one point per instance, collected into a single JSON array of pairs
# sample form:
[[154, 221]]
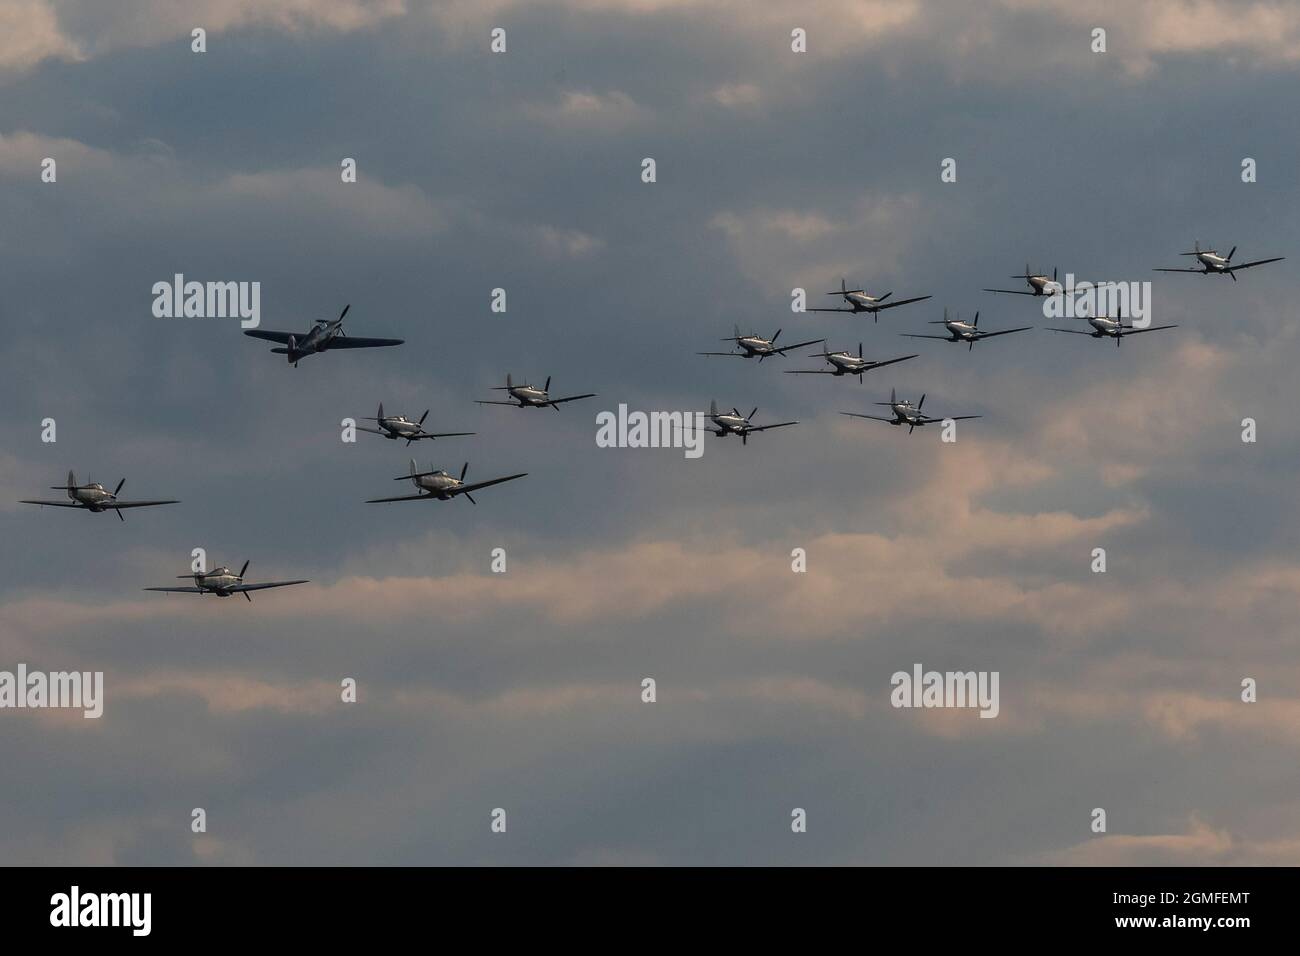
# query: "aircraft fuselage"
[[439, 484], [860, 301], [316, 340], [730, 424], [398, 427], [846, 363], [528, 395], [753, 345], [906, 414], [93, 497], [1103, 326], [218, 581]]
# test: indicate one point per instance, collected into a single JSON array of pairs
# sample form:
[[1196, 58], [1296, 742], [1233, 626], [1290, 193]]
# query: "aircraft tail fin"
[[713, 407], [510, 382]]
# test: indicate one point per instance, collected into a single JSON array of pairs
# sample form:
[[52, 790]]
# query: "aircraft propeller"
[[464, 469]]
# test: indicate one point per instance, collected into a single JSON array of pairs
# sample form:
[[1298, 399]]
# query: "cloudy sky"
[[522, 690]]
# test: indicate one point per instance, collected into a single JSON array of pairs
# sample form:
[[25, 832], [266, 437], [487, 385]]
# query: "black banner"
[[376, 905]]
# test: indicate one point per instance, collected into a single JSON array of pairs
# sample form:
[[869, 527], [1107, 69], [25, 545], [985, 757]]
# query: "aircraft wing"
[[917, 335], [260, 587], [1011, 291], [1177, 270], [1257, 262], [946, 418], [1073, 331], [894, 305], [763, 428], [989, 335], [571, 398], [830, 310], [1129, 330], [797, 345], [281, 337], [350, 342], [139, 504], [443, 434], [190, 590], [488, 401], [486, 484], [376, 501], [889, 362], [876, 418], [65, 503], [736, 354], [809, 371]]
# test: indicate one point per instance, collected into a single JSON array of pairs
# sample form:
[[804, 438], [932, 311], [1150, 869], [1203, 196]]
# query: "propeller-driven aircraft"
[[734, 423], [905, 413], [1105, 327], [323, 336], [959, 331], [755, 346], [441, 485], [845, 363], [399, 426], [530, 396], [1039, 284], [94, 497], [1210, 262], [859, 301], [223, 583]]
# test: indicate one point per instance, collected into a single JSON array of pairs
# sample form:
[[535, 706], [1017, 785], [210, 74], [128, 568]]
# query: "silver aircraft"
[[94, 497], [399, 426], [323, 336], [223, 583], [959, 331], [1039, 285], [441, 485], [905, 413], [734, 423], [1105, 327], [530, 396], [859, 301], [846, 363], [755, 346], [1211, 263]]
